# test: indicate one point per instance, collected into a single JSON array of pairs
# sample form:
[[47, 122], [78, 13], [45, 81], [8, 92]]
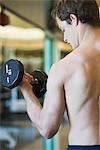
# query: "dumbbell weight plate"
[[39, 87], [11, 73]]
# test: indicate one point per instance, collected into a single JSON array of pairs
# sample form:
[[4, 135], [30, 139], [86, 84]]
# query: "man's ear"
[[74, 20]]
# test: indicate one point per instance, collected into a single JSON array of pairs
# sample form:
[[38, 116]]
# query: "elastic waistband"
[[83, 147]]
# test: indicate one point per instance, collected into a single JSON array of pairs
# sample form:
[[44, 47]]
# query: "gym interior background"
[[28, 33]]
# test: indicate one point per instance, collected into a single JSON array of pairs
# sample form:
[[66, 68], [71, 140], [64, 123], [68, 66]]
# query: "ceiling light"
[[13, 32]]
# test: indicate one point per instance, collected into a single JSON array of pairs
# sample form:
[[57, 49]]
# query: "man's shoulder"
[[75, 64], [65, 67]]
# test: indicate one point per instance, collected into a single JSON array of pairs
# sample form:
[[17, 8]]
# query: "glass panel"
[[16, 130]]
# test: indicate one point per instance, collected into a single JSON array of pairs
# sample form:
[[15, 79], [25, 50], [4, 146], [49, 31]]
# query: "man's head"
[[69, 13]]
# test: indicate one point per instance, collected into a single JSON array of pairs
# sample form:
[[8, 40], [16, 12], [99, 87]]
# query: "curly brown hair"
[[85, 10]]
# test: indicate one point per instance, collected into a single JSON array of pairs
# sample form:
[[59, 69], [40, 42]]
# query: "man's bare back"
[[82, 96]]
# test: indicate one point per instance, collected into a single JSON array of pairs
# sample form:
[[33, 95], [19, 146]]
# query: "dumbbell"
[[11, 75]]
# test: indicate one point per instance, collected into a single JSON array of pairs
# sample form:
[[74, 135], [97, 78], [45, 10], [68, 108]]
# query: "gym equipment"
[[11, 75]]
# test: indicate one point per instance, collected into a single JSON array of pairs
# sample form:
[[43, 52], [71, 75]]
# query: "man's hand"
[[25, 84]]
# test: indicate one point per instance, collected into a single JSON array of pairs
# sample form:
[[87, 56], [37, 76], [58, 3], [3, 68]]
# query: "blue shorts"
[[82, 147]]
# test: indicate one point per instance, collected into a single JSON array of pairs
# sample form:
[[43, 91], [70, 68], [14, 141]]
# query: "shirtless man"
[[73, 81]]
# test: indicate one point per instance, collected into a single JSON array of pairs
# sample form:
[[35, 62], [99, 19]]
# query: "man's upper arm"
[[54, 104]]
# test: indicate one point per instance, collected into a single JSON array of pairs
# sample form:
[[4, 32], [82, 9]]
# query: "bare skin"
[[74, 80], [82, 98]]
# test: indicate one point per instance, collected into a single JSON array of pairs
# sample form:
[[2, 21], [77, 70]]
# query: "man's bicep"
[[54, 104]]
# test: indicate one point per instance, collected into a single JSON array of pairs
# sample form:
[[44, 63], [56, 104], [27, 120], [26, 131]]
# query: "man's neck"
[[87, 33]]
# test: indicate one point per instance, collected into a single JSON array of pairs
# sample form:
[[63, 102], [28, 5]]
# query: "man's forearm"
[[38, 115], [34, 108]]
